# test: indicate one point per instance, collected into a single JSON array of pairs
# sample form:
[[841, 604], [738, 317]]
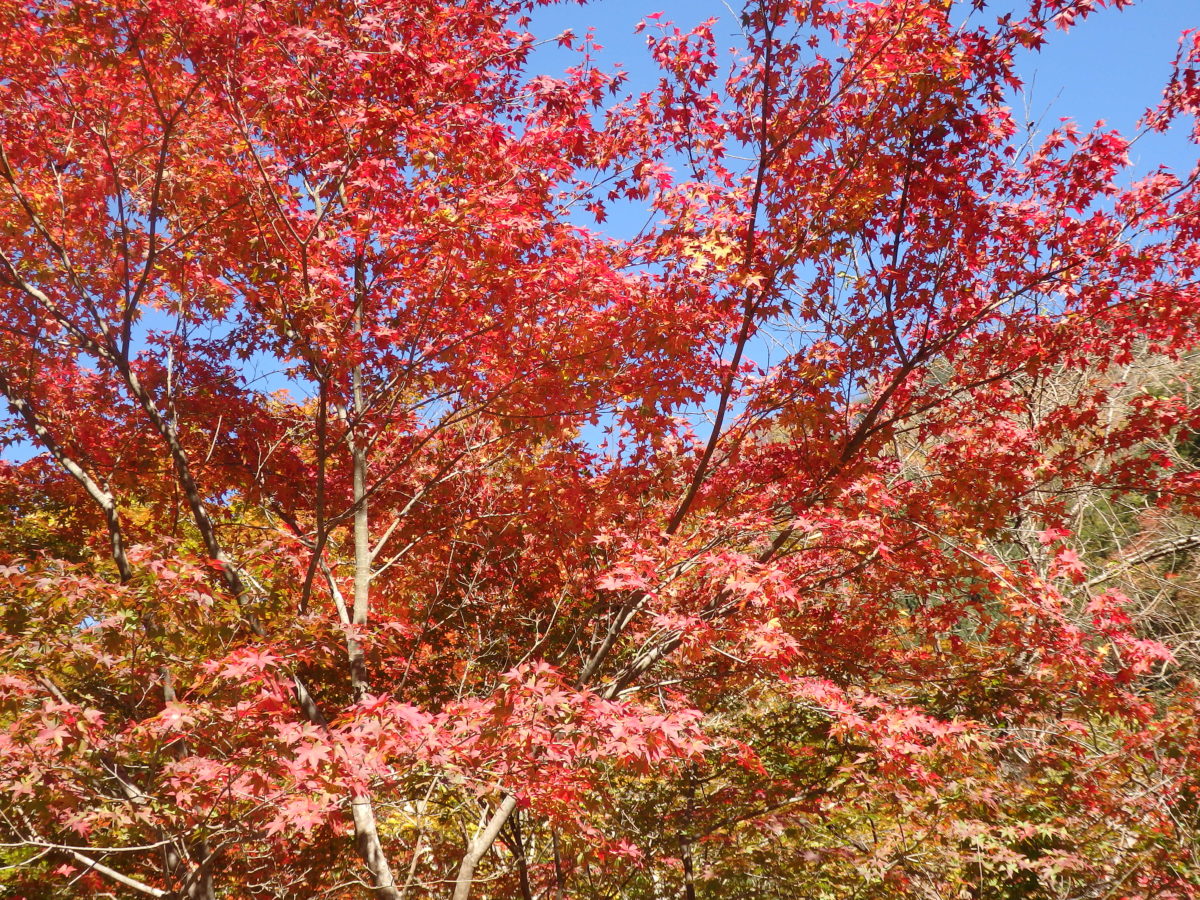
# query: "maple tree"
[[520, 577]]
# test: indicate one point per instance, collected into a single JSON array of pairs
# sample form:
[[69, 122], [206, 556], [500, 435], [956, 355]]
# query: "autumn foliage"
[[380, 521]]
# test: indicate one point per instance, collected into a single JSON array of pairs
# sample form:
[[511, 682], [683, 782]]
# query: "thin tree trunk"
[[689, 876], [102, 498], [484, 838], [366, 829], [560, 878], [366, 841], [183, 472], [362, 531]]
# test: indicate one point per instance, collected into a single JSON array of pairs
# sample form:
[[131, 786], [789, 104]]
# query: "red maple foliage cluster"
[[543, 562]]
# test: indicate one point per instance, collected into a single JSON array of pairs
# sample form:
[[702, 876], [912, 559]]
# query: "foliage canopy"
[[468, 596]]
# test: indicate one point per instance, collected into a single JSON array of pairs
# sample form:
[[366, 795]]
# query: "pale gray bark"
[[483, 840], [103, 498], [96, 866], [366, 830]]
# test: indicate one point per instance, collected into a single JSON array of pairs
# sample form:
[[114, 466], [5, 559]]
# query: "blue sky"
[[1111, 66]]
